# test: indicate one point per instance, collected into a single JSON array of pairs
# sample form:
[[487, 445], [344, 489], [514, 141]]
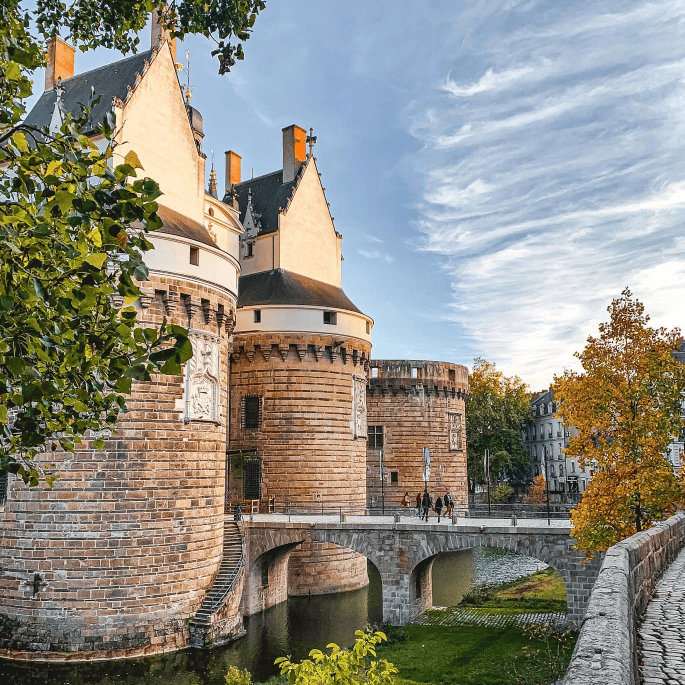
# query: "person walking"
[[419, 499], [426, 504], [405, 500], [438, 507], [447, 501]]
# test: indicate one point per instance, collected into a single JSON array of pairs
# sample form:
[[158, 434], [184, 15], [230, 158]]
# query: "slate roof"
[[278, 286], [680, 354], [111, 80], [269, 196], [176, 223]]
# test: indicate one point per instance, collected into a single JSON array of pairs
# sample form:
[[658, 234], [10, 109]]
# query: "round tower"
[[116, 557], [414, 405], [298, 411]]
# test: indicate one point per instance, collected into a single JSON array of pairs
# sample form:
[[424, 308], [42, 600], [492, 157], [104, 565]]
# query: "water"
[[292, 628]]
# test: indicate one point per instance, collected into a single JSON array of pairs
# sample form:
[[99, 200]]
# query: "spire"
[[57, 114], [212, 180]]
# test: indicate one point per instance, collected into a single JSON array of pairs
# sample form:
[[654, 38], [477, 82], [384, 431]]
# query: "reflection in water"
[[292, 628]]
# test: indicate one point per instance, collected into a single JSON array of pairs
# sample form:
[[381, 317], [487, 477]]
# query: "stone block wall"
[[606, 649], [414, 413], [311, 455], [115, 558]]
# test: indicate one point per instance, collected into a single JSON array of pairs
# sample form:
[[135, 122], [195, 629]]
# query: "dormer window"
[[330, 318]]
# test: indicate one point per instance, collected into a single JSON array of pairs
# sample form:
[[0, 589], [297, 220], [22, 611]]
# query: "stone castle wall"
[[418, 404], [311, 455], [115, 558]]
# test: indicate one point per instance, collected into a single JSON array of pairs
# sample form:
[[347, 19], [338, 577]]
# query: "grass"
[[542, 591], [477, 656]]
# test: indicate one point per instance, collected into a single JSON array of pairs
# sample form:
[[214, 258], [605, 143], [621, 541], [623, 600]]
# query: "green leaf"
[[132, 160], [96, 259]]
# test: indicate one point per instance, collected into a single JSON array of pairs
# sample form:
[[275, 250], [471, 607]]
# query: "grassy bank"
[[542, 591], [477, 656]]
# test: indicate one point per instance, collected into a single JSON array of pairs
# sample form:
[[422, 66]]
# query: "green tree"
[[343, 666], [72, 235], [626, 407], [498, 406]]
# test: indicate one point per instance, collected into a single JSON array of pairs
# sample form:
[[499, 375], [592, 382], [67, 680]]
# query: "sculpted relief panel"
[[203, 379], [359, 406], [456, 431]]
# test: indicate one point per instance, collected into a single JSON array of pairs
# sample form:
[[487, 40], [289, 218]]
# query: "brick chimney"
[[232, 169], [60, 62], [159, 35], [294, 151]]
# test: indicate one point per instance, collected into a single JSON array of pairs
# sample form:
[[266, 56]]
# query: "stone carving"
[[203, 378], [359, 406], [456, 431]]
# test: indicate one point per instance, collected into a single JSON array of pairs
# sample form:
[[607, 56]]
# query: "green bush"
[[502, 493], [237, 677]]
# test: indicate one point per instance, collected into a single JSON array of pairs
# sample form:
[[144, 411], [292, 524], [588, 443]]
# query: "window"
[[195, 256], [251, 412], [561, 469], [258, 316], [452, 376], [330, 318], [249, 249], [374, 372], [394, 477], [3, 487], [375, 436], [414, 372], [573, 466]]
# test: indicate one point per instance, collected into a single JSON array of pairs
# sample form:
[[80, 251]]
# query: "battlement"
[[406, 375]]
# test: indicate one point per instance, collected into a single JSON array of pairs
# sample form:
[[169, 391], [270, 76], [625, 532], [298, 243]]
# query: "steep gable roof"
[[110, 81], [269, 196]]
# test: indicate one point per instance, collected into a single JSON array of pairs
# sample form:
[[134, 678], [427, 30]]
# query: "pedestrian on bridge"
[[419, 499], [438, 507], [426, 504], [449, 505]]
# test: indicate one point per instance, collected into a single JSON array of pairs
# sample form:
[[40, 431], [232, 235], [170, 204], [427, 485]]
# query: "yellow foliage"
[[626, 407], [537, 492]]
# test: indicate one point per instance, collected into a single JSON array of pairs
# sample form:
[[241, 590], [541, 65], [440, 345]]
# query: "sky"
[[500, 171]]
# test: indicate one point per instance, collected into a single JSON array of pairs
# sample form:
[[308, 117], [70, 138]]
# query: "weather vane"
[[188, 92]]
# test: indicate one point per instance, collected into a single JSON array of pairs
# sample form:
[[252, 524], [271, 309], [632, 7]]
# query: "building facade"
[[547, 439]]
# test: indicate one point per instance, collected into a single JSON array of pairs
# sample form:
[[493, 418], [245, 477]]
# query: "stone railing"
[[606, 651]]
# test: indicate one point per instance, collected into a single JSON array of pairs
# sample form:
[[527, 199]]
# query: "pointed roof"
[[269, 196], [281, 287], [116, 80]]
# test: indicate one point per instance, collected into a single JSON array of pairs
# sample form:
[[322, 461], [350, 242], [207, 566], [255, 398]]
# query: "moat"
[[291, 628]]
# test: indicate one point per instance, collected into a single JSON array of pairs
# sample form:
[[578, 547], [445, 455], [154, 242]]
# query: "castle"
[[281, 402]]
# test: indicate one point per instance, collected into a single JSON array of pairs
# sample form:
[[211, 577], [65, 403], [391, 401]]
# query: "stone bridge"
[[404, 553]]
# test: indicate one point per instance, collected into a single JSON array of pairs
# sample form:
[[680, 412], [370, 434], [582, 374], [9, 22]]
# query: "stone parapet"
[[605, 652]]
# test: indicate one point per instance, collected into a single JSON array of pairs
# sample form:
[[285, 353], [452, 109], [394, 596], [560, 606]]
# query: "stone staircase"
[[232, 562]]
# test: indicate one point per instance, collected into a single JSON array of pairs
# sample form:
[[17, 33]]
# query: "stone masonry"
[[403, 554], [310, 454], [417, 404], [606, 651], [114, 559]]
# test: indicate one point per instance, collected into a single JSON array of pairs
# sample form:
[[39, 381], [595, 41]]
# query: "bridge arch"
[[397, 551]]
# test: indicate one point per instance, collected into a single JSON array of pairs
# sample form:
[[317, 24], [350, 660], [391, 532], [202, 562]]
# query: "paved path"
[[456, 616], [661, 637], [563, 524]]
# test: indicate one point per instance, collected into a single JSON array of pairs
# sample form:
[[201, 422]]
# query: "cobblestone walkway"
[[661, 637], [455, 616]]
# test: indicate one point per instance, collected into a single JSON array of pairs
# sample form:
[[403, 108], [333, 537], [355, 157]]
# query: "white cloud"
[[376, 254], [556, 177]]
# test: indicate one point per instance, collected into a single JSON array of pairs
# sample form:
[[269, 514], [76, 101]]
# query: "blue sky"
[[499, 170]]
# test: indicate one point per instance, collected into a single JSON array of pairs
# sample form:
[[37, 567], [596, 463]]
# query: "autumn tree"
[[537, 491], [498, 406], [72, 233], [626, 407]]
